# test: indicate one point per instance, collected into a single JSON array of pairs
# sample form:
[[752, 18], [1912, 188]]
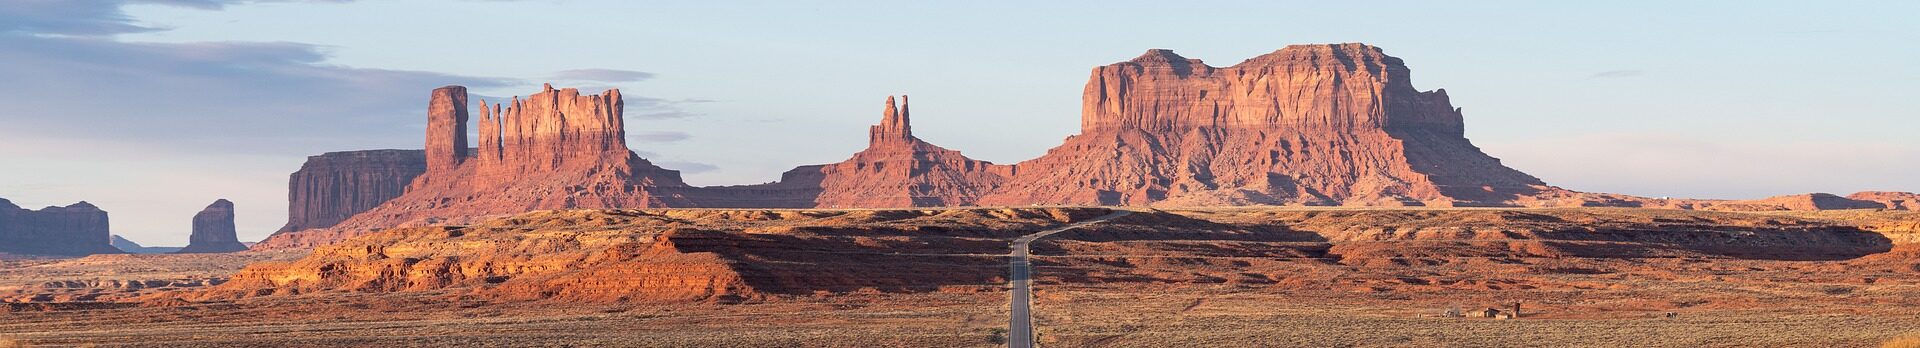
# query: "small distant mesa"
[[213, 231], [1305, 125], [76, 229]]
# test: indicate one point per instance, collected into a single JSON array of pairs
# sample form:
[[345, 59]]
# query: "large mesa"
[[1335, 124]]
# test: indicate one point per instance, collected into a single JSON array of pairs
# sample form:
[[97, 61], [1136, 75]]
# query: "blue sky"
[[153, 108]]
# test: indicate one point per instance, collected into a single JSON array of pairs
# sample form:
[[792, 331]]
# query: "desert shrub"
[[1911, 340]]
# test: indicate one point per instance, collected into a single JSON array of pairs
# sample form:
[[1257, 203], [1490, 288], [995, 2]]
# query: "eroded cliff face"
[[895, 170], [213, 231], [1333, 124], [336, 185], [555, 149], [76, 229]]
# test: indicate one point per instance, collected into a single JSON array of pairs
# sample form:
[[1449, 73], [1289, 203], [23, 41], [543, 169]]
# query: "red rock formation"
[[666, 255], [447, 128], [555, 149], [1307, 124], [213, 231], [333, 186], [896, 170], [77, 229]]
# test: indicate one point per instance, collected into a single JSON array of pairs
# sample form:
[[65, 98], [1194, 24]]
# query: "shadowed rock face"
[[1890, 200], [77, 229], [1308, 124], [213, 230], [333, 186]]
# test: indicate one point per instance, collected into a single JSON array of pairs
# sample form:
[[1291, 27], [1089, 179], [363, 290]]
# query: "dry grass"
[[1911, 340], [9, 342]]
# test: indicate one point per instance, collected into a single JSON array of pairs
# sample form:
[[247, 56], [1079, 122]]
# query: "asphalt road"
[[1020, 325]]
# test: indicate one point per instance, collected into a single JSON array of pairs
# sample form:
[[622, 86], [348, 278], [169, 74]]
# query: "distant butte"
[[213, 231], [896, 170], [76, 229]]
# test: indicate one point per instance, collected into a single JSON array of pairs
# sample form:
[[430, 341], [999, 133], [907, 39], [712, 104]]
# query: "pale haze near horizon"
[[156, 110]]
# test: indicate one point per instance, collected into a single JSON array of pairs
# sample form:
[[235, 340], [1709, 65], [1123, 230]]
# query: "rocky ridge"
[[130, 246]]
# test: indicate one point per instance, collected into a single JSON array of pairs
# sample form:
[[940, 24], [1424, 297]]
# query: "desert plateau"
[[592, 173]]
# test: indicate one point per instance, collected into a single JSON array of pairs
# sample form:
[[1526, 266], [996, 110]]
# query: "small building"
[[1484, 313]]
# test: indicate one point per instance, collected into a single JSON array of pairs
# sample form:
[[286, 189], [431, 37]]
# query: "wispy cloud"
[[661, 136], [688, 167], [1617, 74], [602, 75], [660, 109]]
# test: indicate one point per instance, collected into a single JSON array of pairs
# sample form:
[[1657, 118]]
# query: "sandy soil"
[[1226, 278]]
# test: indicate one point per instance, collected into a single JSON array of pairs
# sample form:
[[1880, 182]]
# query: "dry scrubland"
[[1217, 277]]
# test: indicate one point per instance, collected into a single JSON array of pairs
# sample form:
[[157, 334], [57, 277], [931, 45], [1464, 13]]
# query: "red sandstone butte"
[[1337, 124], [333, 186], [555, 149], [895, 170]]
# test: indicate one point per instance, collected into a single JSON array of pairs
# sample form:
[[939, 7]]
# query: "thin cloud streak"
[[602, 75]]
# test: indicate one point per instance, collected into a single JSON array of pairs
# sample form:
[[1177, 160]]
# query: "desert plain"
[[1246, 276]]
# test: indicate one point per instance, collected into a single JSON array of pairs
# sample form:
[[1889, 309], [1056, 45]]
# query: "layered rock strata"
[[1308, 124], [76, 229], [555, 149], [213, 231], [336, 185]]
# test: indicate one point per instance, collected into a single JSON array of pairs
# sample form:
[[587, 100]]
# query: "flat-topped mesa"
[[1329, 124], [76, 229], [333, 186], [447, 128], [213, 230], [1332, 86], [894, 125]]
